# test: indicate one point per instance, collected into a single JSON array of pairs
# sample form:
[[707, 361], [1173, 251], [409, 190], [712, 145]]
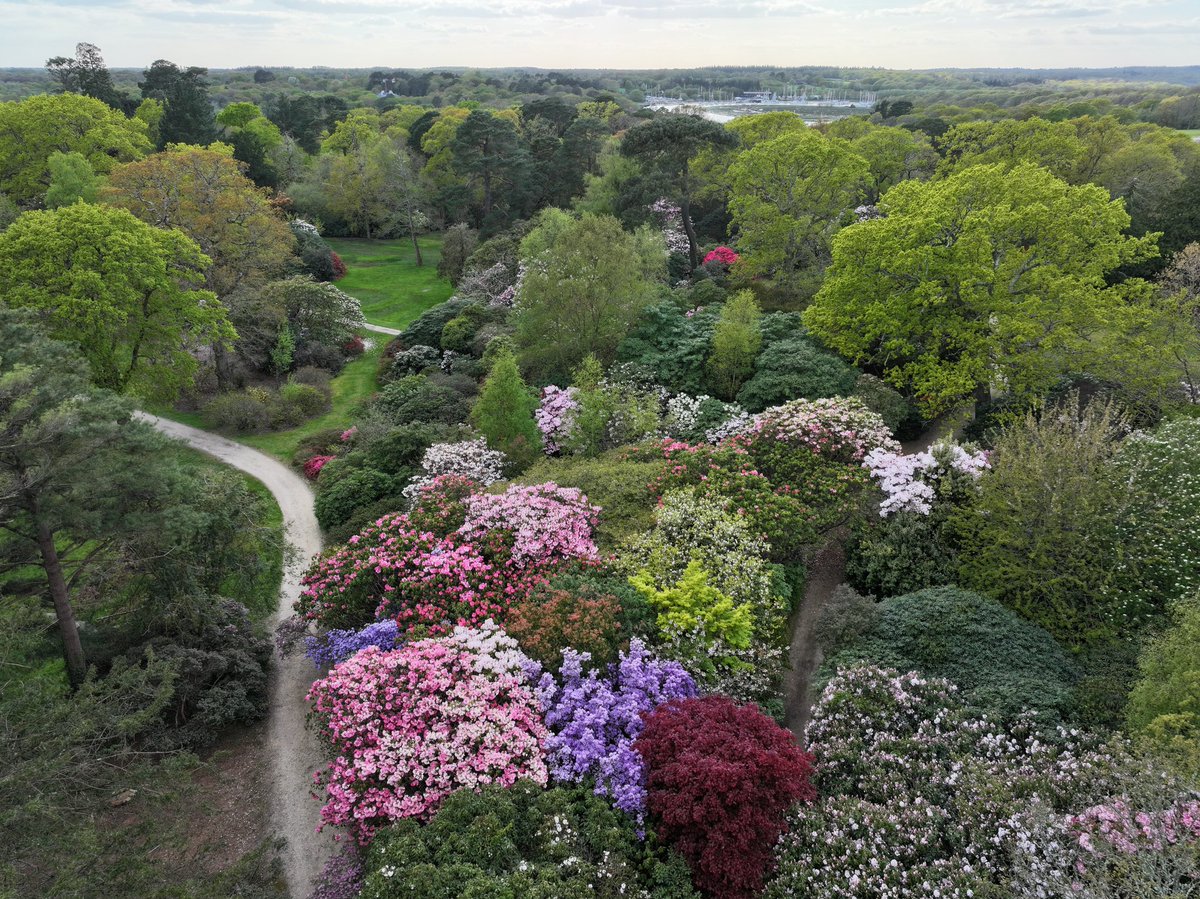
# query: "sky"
[[908, 34]]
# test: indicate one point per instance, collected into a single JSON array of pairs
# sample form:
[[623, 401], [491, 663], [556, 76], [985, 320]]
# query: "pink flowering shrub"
[[547, 523], [313, 466], [413, 725], [555, 416], [838, 429], [470, 459], [723, 255]]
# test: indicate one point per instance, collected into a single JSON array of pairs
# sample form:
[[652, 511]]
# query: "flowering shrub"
[[415, 724], [695, 417], [546, 522], [723, 255], [555, 416], [467, 459], [439, 506], [670, 219], [341, 877], [719, 779], [838, 429], [909, 482], [354, 346], [594, 720], [339, 267], [313, 466], [550, 619], [413, 361], [338, 645]]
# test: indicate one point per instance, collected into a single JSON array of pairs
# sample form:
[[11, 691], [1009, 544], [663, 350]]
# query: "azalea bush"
[[719, 780], [544, 521], [336, 646], [723, 255], [699, 418], [412, 725], [551, 619], [554, 416], [595, 717], [838, 429], [467, 459], [911, 483], [313, 466]]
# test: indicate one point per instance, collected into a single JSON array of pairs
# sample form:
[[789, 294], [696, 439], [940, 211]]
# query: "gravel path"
[[380, 329], [293, 750]]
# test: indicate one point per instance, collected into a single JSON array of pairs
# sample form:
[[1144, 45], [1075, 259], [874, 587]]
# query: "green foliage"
[[241, 412], [457, 246], [736, 341], [418, 398], [1042, 536], [338, 501], [504, 413], [905, 552], [71, 180], [561, 843], [1016, 292], [126, 293], [1164, 705], [897, 412], [1054, 146], [426, 330], [284, 351], [582, 292], [610, 414], [694, 608], [795, 368], [671, 345], [188, 113], [1002, 663], [32, 130]]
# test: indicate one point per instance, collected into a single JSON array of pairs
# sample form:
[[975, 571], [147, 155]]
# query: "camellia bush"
[[719, 780], [595, 717], [412, 725]]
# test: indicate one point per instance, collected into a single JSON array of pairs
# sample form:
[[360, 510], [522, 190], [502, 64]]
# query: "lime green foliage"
[[504, 413], [125, 292], [993, 273], [693, 604], [33, 129], [736, 340], [1164, 705], [384, 277], [71, 180]]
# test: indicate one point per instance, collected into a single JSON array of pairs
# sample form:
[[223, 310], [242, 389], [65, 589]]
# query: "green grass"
[[384, 277], [351, 390], [1191, 132]]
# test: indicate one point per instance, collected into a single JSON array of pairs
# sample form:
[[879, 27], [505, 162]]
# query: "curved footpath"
[[826, 572], [294, 751], [380, 329]]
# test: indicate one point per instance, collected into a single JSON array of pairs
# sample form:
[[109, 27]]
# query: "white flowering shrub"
[[910, 482], [468, 458], [693, 418]]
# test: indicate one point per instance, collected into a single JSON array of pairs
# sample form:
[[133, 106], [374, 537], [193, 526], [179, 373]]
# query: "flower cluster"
[[723, 255], [468, 459], [695, 417], [547, 523], [485, 284], [839, 429], [555, 416], [909, 482], [413, 725], [336, 645], [670, 219], [594, 720], [313, 466]]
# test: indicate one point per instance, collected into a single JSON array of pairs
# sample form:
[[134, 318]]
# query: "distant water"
[[813, 115]]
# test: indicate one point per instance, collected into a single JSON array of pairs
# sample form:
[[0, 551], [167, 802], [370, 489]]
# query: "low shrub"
[[336, 502], [1164, 705], [550, 620], [295, 403], [240, 413], [795, 368]]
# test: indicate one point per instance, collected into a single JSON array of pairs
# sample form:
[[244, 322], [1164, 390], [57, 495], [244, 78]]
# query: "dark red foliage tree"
[[720, 778], [339, 267]]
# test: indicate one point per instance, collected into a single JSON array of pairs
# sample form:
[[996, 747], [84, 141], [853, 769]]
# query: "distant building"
[[755, 97]]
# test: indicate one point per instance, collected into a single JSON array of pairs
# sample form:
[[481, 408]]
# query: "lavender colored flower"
[[338, 645], [555, 416], [594, 719]]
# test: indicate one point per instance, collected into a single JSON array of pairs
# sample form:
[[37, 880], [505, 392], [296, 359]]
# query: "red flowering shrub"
[[339, 267], [549, 620], [440, 506], [313, 466], [720, 778], [723, 255], [354, 346]]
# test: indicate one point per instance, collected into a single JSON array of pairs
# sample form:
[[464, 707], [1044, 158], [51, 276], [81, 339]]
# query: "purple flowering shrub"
[[555, 416], [341, 877], [594, 719], [338, 645]]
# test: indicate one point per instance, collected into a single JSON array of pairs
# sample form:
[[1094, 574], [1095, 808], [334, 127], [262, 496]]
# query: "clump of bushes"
[[258, 409]]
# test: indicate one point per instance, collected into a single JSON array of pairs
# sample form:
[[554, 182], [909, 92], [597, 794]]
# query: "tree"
[[487, 151], [587, 280], [789, 196], [71, 180], [255, 140], [317, 311], [667, 144], [88, 75], [128, 294], [504, 412], [69, 453], [188, 116], [33, 129], [989, 276], [735, 342], [1052, 145], [458, 244], [203, 193]]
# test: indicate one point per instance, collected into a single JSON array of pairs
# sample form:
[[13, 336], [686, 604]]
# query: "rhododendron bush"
[[555, 416], [469, 459], [415, 724], [723, 255], [837, 429], [911, 483], [551, 619], [596, 717], [429, 581], [719, 779]]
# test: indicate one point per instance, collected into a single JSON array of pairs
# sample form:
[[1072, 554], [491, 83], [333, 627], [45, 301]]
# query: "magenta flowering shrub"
[[547, 523], [595, 719], [555, 416], [910, 482], [723, 255], [313, 466], [413, 725]]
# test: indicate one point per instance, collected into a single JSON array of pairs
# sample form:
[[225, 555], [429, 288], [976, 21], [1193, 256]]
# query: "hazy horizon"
[[625, 34]]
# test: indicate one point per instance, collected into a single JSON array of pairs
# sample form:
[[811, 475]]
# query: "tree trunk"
[[416, 247], [685, 203], [67, 627], [983, 398]]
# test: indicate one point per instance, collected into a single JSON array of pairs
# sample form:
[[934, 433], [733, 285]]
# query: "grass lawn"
[[1193, 133], [383, 276]]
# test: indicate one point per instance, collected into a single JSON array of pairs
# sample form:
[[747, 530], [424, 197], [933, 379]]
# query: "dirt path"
[[293, 750], [826, 572]]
